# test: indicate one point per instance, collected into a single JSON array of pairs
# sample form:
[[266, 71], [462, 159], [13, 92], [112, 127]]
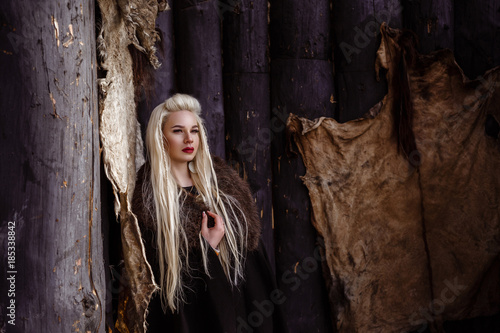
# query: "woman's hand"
[[212, 235]]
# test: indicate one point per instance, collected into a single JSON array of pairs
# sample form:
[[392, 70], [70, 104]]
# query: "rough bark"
[[199, 63], [302, 82], [247, 104], [356, 31], [50, 167]]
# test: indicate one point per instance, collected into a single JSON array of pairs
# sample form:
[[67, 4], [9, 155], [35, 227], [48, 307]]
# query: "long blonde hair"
[[171, 238]]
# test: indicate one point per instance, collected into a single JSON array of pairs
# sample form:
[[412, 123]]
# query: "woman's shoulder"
[[229, 181], [221, 165]]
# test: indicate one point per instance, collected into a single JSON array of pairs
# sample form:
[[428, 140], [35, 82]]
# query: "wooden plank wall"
[[246, 103], [477, 35], [199, 62], [432, 21], [250, 63], [162, 84], [301, 83], [356, 29], [49, 168]]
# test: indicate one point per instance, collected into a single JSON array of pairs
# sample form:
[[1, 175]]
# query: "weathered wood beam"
[[356, 26], [247, 104], [199, 63], [49, 169], [477, 44], [162, 84], [432, 21], [302, 83]]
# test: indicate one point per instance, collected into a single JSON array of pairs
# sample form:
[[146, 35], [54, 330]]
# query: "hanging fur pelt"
[[125, 23], [408, 202]]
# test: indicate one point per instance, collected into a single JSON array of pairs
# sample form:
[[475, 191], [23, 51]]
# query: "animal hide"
[[125, 23], [410, 240]]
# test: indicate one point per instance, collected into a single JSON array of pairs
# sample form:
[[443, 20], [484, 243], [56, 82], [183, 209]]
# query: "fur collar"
[[191, 212]]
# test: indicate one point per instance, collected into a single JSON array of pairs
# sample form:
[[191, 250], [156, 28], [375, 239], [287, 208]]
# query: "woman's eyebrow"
[[182, 126]]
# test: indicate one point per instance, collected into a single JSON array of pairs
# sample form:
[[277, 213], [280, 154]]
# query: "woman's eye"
[[195, 131], [177, 131]]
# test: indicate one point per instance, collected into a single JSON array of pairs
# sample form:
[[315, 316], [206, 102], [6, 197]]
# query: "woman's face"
[[182, 135]]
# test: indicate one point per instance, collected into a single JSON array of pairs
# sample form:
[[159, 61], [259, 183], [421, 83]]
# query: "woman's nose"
[[189, 138]]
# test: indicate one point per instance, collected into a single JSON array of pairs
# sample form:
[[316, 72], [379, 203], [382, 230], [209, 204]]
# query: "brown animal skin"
[[412, 236]]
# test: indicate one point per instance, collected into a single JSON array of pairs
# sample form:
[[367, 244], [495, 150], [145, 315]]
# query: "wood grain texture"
[[477, 36], [50, 166], [245, 39], [249, 136], [432, 21], [302, 82], [199, 63], [356, 27], [300, 29], [162, 84], [247, 104]]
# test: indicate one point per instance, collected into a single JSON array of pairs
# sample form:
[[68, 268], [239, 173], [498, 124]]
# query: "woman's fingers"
[[219, 223], [212, 235], [204, 224]]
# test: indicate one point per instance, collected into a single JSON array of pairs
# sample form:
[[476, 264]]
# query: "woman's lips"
[[188, 150]]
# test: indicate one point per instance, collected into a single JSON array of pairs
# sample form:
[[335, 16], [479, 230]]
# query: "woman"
[[201, 232]]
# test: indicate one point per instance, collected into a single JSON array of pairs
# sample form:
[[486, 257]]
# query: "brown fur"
[[229, 183]]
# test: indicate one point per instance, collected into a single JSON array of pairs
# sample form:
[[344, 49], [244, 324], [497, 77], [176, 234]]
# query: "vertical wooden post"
[[357, 36], [247, 104], [302, 83], [199, 63], [432, 21], [477, 45], [49, 169], [162, 85]]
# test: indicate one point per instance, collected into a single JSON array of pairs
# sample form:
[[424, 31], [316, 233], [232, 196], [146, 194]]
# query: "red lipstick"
[[188, 150]]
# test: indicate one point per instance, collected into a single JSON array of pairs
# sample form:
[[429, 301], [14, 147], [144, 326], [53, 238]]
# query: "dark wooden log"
[[357, 37], [162, 81], [245, 36], [199, 63], [49, 169], [432, 21], [302, 83], [477, 43], [249, 136], [300, 29], [246, 103], [303, 87]]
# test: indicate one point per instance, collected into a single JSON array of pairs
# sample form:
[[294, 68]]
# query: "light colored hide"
[[125, 23]]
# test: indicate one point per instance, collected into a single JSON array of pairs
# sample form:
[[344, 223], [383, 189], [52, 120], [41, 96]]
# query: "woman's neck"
[[181, 174]]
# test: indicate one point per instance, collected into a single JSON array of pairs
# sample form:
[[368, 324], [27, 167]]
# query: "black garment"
[[212, 304]]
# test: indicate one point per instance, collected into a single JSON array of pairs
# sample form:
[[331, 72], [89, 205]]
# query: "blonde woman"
[[201, 232]]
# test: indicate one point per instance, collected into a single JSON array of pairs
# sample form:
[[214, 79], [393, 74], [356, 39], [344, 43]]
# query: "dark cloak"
[[212, 304]]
